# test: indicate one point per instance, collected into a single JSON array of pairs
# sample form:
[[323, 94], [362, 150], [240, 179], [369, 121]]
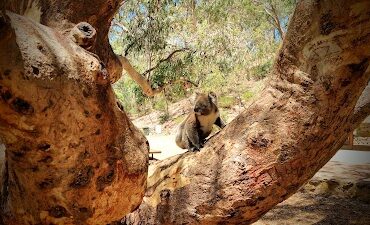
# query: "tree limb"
[[143, 82], [128, 47], [57, 15], [164, 60], [72, 154], [274, 16], [180, 80], [116, 23], [70, 151], [272, 148], [141, 79]]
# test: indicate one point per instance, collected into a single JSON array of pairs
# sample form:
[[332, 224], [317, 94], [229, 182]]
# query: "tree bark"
[[72, 156], [63, 15], [271, 149]]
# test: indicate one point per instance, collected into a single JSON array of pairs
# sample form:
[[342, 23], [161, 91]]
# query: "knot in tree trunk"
[[84, 35]]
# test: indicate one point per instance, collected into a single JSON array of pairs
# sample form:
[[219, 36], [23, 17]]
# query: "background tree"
[[211, 43]]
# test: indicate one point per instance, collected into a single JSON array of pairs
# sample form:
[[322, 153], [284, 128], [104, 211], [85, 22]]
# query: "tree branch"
[[65, 133], [180, 80], [57, 15], [278, 143], [143, 82], [273, 14], [164, 60], [116, 23], [75, 152], [128, 47]]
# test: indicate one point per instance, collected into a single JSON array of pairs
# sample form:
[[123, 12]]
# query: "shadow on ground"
[[339, 194], [305, 208]]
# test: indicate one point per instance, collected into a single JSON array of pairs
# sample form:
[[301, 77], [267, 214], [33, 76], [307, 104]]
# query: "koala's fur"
[[193, 131]]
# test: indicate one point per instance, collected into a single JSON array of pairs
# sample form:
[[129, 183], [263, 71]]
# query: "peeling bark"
[[271, 149]]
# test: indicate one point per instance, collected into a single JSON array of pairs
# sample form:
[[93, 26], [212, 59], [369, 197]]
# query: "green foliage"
[[213, 81], [223, 44], [171, 71], [126, 90], [226, 101], [164, 118], [247, 95], [160, 105], [176, 92], [224, 116], [262, 70], [179, 119]]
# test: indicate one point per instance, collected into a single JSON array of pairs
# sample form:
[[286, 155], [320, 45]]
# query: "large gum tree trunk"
[[271, 149], [73, 157]]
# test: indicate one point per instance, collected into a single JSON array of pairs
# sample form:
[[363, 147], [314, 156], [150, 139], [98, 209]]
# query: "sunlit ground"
[[166, 144], [352, 157]]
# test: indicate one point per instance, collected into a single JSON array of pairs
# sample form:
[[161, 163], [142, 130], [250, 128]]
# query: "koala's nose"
[[196, 109]]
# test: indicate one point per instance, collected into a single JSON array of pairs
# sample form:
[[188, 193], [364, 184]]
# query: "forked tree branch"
[[143, 82], [164, 60]]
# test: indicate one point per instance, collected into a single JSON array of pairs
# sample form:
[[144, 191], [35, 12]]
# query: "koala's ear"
[[213, 97]]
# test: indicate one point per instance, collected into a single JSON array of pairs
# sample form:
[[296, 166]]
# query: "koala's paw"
[[194, 149]]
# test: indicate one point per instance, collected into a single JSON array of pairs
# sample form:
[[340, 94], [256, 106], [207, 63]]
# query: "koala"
[[193, 131]]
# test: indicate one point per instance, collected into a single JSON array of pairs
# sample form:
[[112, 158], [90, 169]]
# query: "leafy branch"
[[164, 60]]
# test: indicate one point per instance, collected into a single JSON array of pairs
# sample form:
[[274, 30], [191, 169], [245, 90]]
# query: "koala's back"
[[181, 138]]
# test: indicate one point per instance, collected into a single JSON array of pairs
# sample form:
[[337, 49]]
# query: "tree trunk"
[[275, 21], [299, 122], [63, 15], [73, 157]]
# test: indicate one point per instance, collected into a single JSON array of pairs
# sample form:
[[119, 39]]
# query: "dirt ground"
[[308, 208], [339, 194]]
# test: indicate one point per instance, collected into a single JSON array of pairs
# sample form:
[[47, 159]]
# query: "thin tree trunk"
[[299, 122], [275, 21]]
